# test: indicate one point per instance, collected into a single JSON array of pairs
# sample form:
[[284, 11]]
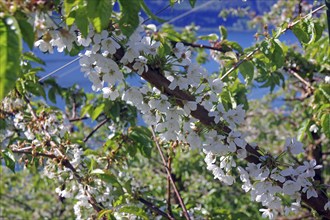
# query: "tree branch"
[[97, 127], [169, 175]]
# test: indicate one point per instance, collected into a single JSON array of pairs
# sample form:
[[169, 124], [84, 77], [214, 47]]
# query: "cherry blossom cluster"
[[44, 136], [107, 71]]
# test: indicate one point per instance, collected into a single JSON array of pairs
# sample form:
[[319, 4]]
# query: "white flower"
[[179, 50], [140, 65], [258, 172], [149, 46], [327, 206], [189, 106], [267, 213], [130, 55], [84, 41], [216, 85], [180, 81], [291, 187], [311, 192], [160, 104], [109, 93], [294, 146], [313, 128], [194, 140], [327, 79], [276, 176], [133, 97], [110, 45], [295, 207], [217, 113], [234, 116], [44, 46], [307, 170]]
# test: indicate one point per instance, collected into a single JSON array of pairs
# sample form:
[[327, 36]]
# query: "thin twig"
[[295, 74], [78, 119], [185, 212], [236, 65], [33, 113], [201, 46], [97, 127], [169, 207], [154, 208]]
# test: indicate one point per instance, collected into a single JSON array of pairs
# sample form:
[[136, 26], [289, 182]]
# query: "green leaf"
[[2, 123], [318, 30], [142, 138], [106, 212], [9, 158], [11, 49], [69, 6], [192, 3], [108, 177], [85, 109], [172, 2], [31, 57], [129, 19], [99, 13], [27, 32], [278, 56], [149, 12], [52, 95], [235, 46], [325, 123], [82, 21], [97, 111], [223, 32], [210, 37], [301, 34], [97, 171], [247, 70], [134, 210], [304, 130]]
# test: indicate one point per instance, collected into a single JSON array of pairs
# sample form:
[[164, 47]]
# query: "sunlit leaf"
[[11, 48], [99, 12]]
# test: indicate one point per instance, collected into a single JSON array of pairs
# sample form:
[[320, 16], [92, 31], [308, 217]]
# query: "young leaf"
[[192, 3], [223, 32], [11, 48]]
